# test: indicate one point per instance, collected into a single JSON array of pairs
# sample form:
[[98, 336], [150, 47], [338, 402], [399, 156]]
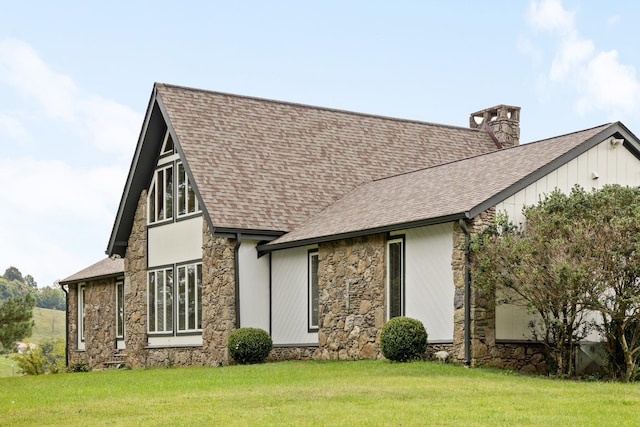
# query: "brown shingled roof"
[[268, 165], [104, 268], [440, 193]]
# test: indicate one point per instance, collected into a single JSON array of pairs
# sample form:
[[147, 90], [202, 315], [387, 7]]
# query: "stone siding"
[[135, 288], [218, 296], [218, 301], [351, 277], [100, 326]]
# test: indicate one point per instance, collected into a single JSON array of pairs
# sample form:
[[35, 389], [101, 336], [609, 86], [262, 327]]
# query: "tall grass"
[[372, 393]]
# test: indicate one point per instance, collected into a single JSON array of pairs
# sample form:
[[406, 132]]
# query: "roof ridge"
[[318, 107]]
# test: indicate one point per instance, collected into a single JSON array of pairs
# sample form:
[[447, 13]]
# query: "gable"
[[265, 167]]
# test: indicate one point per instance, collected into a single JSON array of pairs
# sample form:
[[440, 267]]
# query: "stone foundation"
[[293, 353]]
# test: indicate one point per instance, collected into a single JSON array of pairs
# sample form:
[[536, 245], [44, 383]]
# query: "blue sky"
[[75, 80]]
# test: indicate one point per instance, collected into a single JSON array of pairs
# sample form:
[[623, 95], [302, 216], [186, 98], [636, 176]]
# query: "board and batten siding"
[[611, 165], [289, 294], [429, 287], [254, 286], [175, 242]]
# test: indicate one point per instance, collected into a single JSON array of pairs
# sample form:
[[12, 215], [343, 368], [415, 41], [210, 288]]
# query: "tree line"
[[13, 285]]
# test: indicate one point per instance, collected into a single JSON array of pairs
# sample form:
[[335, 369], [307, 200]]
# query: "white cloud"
[[13, 129], [550, 15], [609, 85], [599, 80], [58, 206], [109, 126]]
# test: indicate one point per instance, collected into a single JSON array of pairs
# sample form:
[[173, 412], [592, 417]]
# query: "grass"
[[49, 324], [364, 393]]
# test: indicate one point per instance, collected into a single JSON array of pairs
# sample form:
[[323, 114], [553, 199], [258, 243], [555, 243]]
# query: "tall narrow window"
[[187, 202], [395, 278], [314, 291], [160, 199], [120, 310], [81, 316], [189, 298], [160, 293]]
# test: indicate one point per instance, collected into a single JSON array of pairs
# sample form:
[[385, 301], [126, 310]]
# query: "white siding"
[[290, 298], [175, 242], [429, 287], [254, 287], [612, 165]]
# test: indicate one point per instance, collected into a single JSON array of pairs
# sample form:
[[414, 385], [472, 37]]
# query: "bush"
[[249, 345], [403, 339], [47, 357], [79, 367]]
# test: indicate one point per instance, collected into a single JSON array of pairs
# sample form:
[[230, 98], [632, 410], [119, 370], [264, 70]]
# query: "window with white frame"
[[395, 278], [183, 317], [160, 199], [81, 314], [167, 144], [187, 200], [314, 290], [160, 310], [189, 298], [120, 310]]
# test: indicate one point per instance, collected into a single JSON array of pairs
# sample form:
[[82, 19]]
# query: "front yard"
[[372, 393]]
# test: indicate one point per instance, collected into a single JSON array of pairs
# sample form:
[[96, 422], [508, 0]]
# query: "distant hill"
[[49, 324]]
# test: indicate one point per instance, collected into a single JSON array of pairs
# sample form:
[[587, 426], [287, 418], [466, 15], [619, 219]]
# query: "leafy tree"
[[15, 320], [578, 253], [613, 259], [12, 289], [30, 281], [533, 267], [12, 273]]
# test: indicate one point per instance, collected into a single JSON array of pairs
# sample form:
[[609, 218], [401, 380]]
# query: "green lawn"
[[371, 393]]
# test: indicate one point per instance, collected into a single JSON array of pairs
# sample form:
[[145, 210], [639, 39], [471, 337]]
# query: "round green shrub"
[[249, 345], [403, 339]]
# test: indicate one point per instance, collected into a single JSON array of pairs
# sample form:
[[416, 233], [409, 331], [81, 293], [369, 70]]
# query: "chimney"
[[502, 122]]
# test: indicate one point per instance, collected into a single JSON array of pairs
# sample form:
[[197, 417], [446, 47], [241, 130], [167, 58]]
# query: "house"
[[317, 225]]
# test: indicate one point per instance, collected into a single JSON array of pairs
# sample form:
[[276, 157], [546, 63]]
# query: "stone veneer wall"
[[484, 348], [218, 306], [351, 276], [218, 296], [75, 355], [99, 321]]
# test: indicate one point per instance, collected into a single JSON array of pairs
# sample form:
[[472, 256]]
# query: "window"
[[187, 201], [81, 313], [161, 301], [314, 291], [160, 200], [185, 316], [395, 278], [120, 310], [189, 299], [167, 144]]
